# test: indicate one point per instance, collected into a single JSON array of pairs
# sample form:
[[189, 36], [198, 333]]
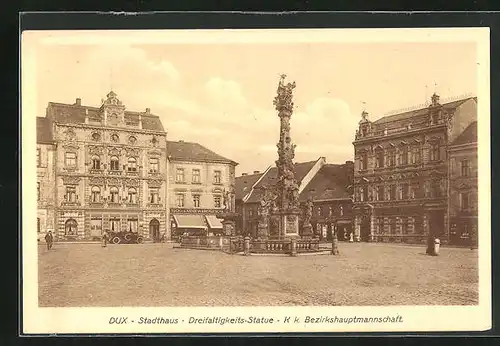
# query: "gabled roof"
[[469, 135], [331, 182], [189, 151], [270, 179], [44, 131], [75, 114], [449, 106], [244, 184]]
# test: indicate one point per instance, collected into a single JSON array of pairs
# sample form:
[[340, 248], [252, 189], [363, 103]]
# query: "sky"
[[221, 94]]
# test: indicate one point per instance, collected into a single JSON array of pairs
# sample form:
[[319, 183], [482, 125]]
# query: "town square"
[[294, 183]]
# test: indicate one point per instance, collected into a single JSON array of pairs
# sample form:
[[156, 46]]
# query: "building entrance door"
[[365, 228], [436, 223], [154, 230]]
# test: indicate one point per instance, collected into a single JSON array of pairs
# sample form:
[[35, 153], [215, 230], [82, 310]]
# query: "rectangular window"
[[381, 225], [196, 176], [154, 166], [392, 225], [392, 192], [434, 155], [38, 158], [70, 193], [391, 158], [196, 201], [416, 155], [38, 191], [379, 159], [217, 201], [38, 225], [70, 159], [217, 177], [465, 168], [179, 175], [404, 225], [132, 225], [405, 188], [403, 157], [364, 161], [464, 201], [436, 188], [154, 195], [380, 193], [115, 224], [179, 200]]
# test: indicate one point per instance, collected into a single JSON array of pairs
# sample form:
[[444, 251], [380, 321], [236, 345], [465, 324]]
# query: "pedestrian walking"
[[105, 238], [49, 239]]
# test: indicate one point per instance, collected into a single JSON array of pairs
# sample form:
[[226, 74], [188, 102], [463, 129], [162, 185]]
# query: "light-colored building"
[[401, 171], [199, 182], [463, 197], [46, 181], [109, 170]]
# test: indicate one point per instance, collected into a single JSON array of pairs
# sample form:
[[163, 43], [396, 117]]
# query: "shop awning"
[[213, 221], [189, 221]]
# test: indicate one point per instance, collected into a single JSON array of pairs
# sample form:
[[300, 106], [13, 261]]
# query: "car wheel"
[[128, 237], [116, 240], [140, 240]]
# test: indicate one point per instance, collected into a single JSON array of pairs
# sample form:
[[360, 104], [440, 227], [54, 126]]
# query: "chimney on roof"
[[243, 174], [349, 162], [435, 99], [78, 102], [148, 110], [181, 141], [256, 172], [86, 116]]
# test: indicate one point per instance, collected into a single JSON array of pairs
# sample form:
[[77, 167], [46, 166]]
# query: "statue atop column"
[[287, 187]]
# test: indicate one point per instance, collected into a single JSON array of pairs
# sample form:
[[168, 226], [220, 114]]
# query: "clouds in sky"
[[218, 105]]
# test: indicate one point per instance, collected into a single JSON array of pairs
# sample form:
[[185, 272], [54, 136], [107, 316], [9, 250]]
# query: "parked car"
[[125, 238]]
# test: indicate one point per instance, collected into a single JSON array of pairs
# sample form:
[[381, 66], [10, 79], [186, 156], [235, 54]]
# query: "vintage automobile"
[[125, 238]]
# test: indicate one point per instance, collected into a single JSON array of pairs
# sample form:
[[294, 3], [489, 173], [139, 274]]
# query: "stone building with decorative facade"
[[401, 171], [328, 185], [200, 183], [109, 170], [46, 181], [463, 187]]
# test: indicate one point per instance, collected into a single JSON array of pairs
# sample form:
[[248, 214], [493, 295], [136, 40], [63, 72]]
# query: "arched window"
[[71, 227], [95, 194], [132, 195], [115, 163], [114, 194], [96, 162], [132, 164]]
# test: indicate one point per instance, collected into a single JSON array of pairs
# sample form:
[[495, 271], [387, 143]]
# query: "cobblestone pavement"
[[159, 275]]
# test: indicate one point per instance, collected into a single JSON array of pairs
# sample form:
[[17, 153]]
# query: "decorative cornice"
[[196, 211], [96, 149], [155, 183], [69, 145], [71, 180]]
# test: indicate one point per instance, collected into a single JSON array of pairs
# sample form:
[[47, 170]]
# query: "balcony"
[[96, 171], [96, 204], [133, 173], [70, 204], [114, 172], [132, 205], [155, 205], [114, 205]]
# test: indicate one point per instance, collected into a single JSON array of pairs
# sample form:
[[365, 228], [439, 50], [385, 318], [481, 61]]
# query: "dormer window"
[[115, 138]]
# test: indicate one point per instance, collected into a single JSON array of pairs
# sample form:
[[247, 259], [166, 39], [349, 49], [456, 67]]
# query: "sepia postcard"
[[256, 181]]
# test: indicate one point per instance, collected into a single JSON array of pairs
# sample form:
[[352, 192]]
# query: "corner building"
[[401, 172], [110, 170]]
